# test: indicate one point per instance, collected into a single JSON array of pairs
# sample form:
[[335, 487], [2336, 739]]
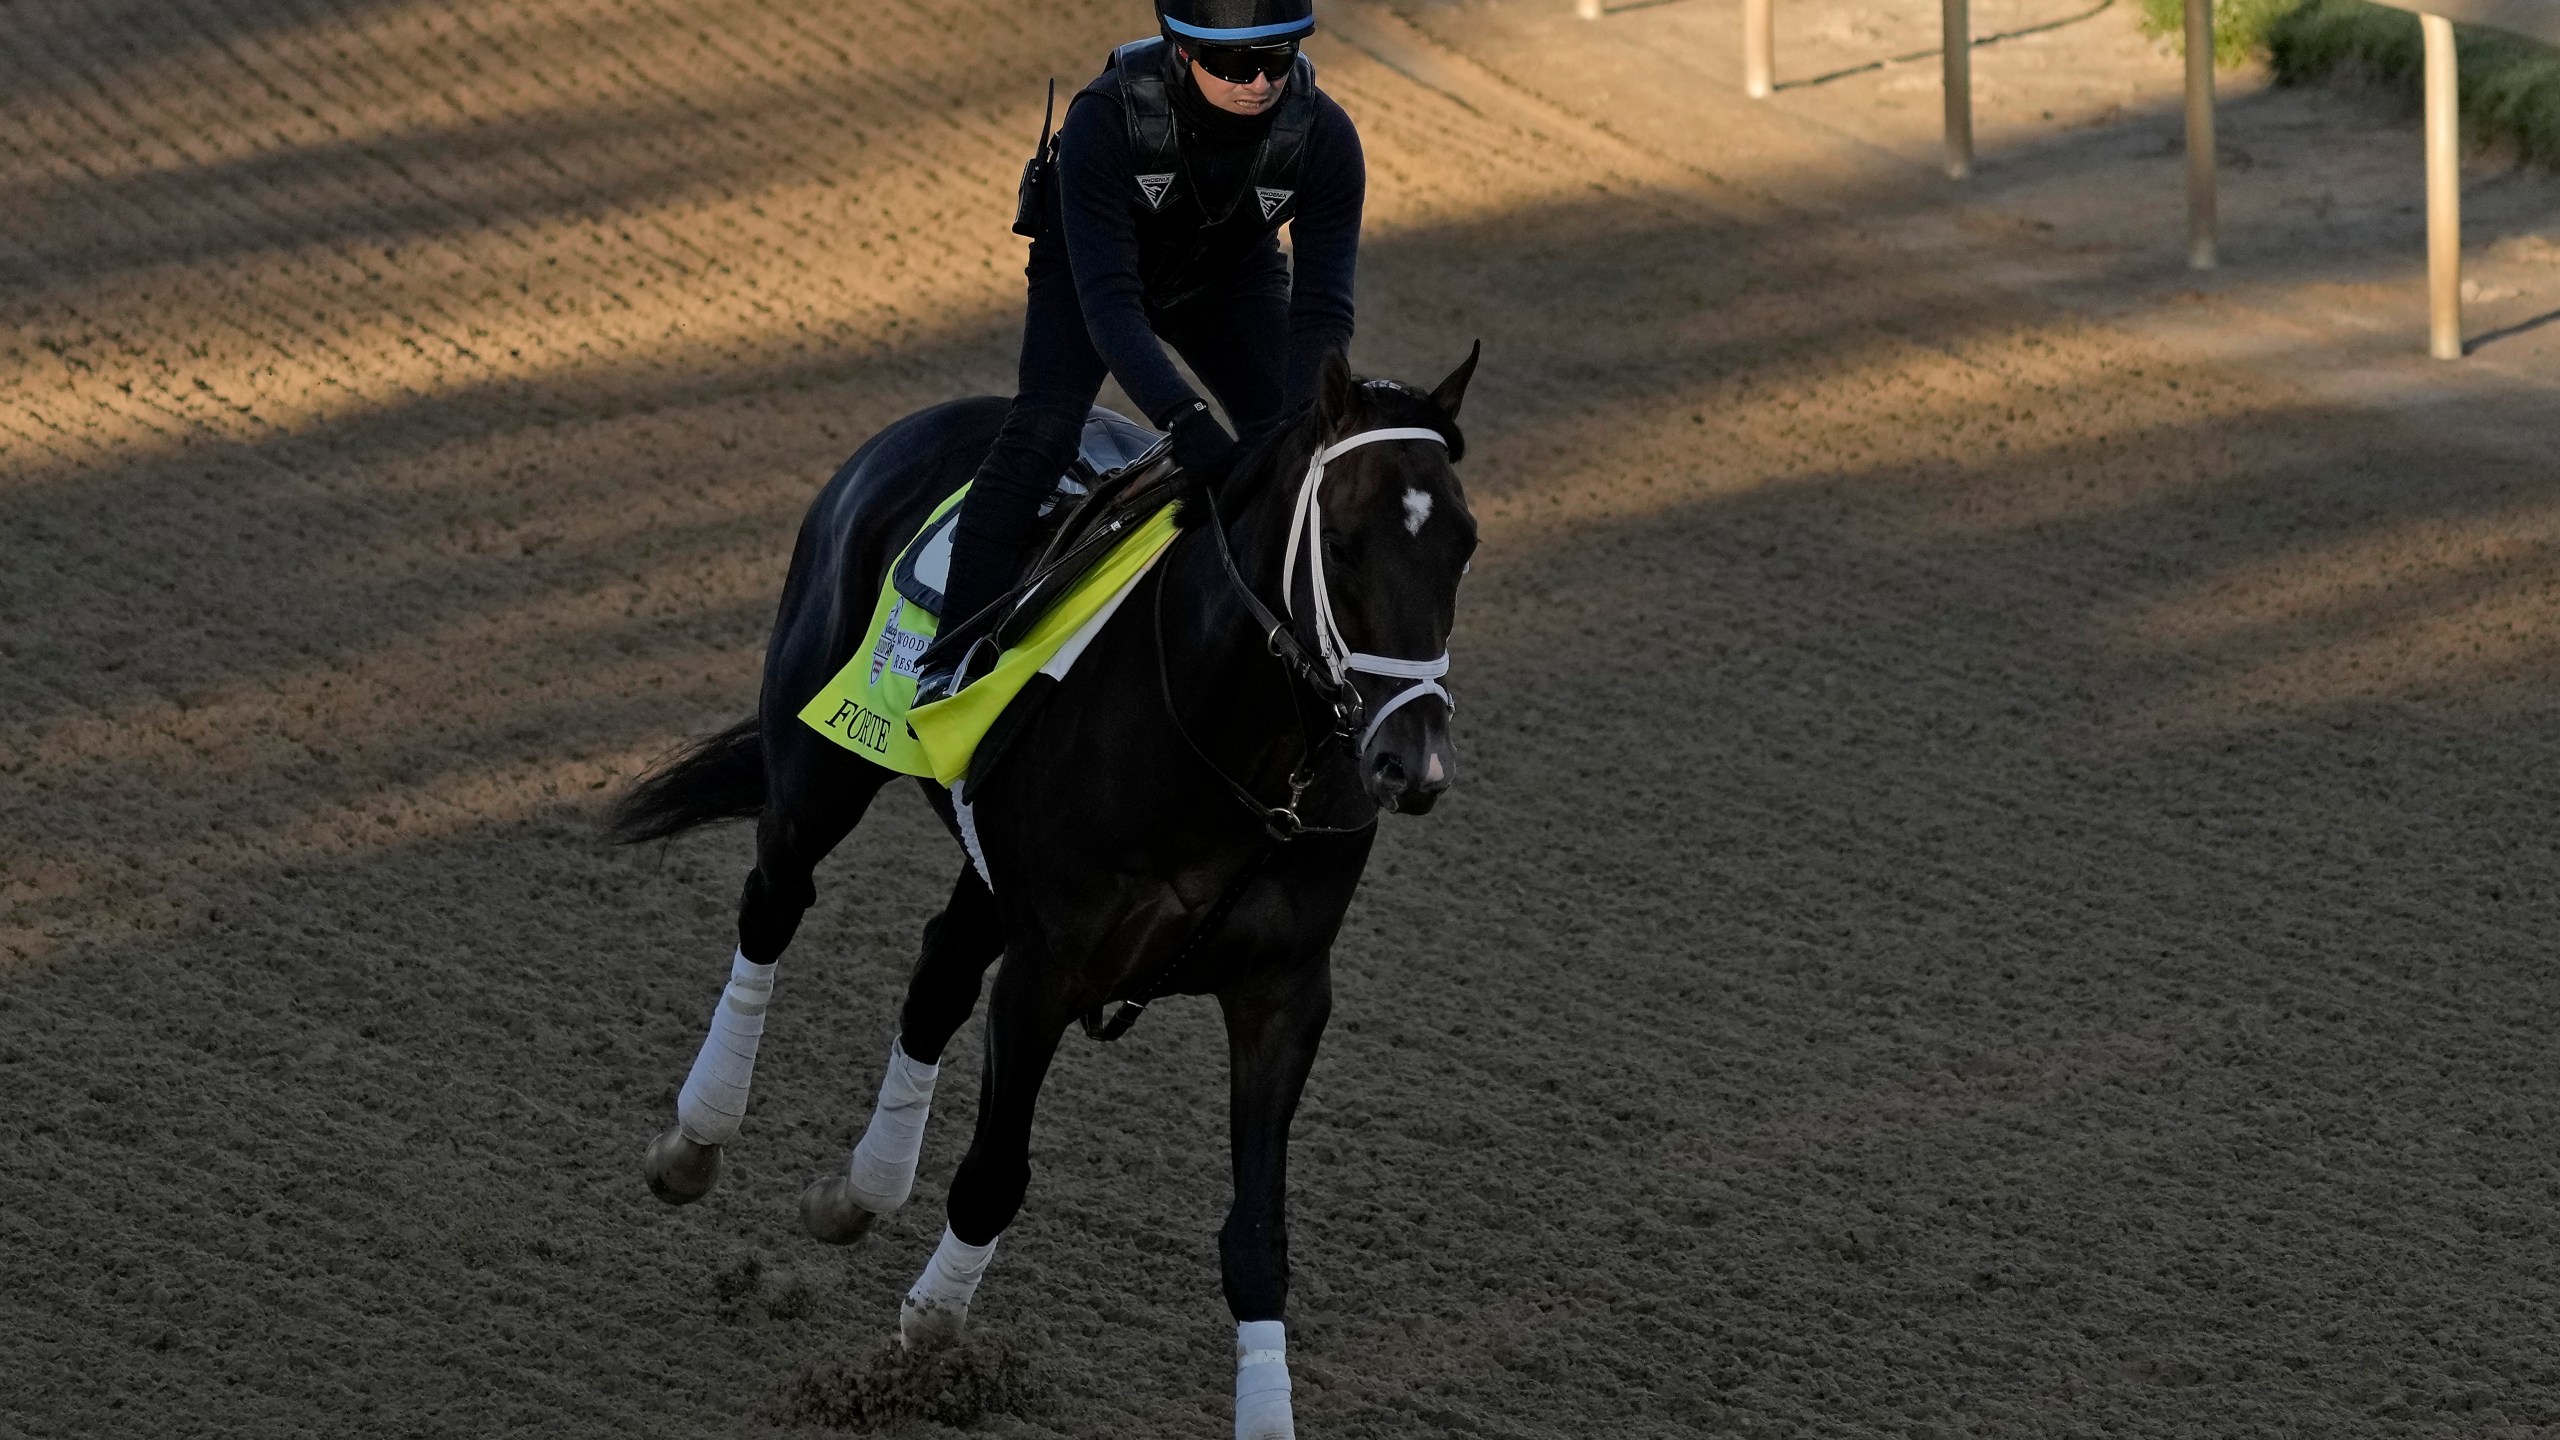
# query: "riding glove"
[[1201, 445]]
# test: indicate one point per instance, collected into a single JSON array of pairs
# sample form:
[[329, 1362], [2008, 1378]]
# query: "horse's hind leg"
[[959, 945], [815, 803]]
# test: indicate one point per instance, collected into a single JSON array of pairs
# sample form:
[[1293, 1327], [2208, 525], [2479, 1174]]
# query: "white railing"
[[2534, 19], [1955, 22]]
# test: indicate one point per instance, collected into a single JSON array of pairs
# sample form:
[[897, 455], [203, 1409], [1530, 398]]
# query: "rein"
[[1327, 672]]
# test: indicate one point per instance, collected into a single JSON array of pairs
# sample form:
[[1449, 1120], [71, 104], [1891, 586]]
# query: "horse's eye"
[[1334, 549]]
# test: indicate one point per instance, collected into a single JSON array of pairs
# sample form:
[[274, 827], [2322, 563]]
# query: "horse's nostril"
[[1389, 772]]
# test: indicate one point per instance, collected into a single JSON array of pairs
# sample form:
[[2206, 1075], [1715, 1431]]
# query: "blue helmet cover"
[[1238, 22]]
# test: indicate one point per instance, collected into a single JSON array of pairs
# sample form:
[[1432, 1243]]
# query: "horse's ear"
[[1453, 391], [1334, 388]]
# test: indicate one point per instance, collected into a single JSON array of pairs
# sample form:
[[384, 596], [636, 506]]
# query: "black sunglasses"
[[1238, 64]]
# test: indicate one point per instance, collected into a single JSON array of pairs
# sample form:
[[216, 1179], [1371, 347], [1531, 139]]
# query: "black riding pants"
[[1234, 337]]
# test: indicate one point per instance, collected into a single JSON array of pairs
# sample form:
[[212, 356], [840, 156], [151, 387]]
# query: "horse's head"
[[1395, 537]]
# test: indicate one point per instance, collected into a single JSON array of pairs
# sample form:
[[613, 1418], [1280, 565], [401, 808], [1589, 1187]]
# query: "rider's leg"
[[1054, 388]]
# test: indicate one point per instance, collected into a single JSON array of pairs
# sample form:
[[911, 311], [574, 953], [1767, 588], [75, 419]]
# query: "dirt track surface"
[[2003, 883]]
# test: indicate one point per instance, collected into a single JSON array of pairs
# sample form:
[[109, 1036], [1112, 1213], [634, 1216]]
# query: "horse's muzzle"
[[1410, 780]]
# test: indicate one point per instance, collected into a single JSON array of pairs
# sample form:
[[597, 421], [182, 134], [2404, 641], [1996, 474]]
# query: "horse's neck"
[[1231, 688], [1258, 531]]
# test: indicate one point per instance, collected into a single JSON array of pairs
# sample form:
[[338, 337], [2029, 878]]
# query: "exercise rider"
[[1154, 222]]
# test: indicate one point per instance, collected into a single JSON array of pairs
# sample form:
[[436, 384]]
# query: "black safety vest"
[[1181, 240]]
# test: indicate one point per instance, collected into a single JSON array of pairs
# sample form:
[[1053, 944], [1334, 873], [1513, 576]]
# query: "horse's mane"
[[1374, 404]]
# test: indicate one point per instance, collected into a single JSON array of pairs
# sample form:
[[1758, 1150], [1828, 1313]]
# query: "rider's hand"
[[1201, 445]]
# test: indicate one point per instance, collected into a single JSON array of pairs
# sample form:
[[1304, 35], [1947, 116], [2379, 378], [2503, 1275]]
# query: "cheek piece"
[[1306, 526]]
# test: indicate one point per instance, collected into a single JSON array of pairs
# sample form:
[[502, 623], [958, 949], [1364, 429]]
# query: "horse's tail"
[[719, 777]]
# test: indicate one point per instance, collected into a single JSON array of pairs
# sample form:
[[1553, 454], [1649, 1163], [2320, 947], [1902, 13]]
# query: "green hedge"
[[2510, 85], [2240, 27]]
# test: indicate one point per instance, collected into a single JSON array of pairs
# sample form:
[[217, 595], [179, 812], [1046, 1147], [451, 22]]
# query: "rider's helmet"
[[1233, 39]]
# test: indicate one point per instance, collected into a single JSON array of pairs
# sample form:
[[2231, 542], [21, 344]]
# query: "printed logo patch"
[[1154, 186], [1271, 200], [898, 648]]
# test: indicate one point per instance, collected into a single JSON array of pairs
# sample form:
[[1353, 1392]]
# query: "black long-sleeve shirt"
[[1120, 261]]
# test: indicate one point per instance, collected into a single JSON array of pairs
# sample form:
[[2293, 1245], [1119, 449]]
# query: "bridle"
[[1326, 672], [1341, 661]]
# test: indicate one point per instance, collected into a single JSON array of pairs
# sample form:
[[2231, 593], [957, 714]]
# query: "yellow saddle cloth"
[[865, 708]]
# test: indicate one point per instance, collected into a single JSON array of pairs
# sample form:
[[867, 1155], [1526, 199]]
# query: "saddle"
[[1102, 526], [1119, 477]]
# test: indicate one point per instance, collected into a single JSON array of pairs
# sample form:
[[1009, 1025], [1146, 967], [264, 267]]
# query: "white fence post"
[[2203, 224], [2444, 192], [1759, 49], [1956, 41]]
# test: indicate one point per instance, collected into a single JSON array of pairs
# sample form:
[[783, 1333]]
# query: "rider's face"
[[1236, 99]]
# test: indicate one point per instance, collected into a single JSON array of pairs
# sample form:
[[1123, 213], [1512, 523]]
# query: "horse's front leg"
[[1026, 1014], [1272, 1032]]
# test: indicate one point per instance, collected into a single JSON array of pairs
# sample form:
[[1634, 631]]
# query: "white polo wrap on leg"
[[884, 1162], [714, 1098], [1262, 1382], [937, 1306]]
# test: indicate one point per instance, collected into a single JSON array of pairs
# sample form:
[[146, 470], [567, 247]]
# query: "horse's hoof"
[[679, 1169], [828, 1211], [931, 1327]]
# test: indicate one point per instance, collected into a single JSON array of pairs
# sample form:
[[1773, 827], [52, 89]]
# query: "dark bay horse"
[[1189, 812]]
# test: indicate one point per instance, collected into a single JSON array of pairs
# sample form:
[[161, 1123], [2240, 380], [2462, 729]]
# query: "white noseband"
[[1338, 655]]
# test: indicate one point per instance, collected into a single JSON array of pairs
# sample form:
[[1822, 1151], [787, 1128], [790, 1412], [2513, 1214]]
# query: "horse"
[[1188, 812]]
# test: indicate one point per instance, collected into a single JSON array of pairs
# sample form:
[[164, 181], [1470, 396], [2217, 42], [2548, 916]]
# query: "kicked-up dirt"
[[2003, 880]]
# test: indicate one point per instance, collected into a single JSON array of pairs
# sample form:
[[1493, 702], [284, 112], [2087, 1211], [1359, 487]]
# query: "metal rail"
[[2533, 19], [1955, 21]]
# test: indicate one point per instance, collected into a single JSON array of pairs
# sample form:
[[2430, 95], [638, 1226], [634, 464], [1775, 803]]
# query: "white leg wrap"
[[1262, 1382], [714, 1098], [938, 1305], [884, 1163]]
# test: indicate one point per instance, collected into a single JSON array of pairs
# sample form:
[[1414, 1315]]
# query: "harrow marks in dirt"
[[1998, 885]]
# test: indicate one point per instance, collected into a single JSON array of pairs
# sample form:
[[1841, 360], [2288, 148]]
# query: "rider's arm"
[[1096, 173], [1325, 243]]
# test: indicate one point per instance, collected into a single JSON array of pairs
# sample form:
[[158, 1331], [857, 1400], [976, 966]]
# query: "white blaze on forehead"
[[1417, 508]]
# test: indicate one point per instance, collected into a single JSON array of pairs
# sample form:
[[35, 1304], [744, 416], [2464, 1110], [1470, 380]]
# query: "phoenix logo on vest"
[[1271, 199], [1154, 186]]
